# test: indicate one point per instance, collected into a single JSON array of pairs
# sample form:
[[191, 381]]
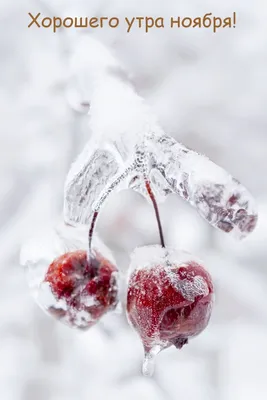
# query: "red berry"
[[169, 299], [84, 289]]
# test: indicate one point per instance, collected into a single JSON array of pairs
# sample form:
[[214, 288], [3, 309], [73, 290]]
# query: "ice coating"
[[169, 300], [147, 256], [87, 287], [218, 197], [190, 289], [118, 118], [65, 283], [88, 177], [123, 127], [149, 360]]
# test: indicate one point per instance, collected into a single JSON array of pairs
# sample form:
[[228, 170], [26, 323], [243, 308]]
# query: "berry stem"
[[155, 205], [91, 230]]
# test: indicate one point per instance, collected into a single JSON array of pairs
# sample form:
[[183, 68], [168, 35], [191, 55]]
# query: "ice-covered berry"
[[169, 300], [64, 282], [84, 288]]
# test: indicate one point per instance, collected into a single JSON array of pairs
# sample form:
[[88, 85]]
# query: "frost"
[[190, 289], [128, 146]]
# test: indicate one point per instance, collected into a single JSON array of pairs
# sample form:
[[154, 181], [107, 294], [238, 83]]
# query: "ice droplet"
[[149, 360]]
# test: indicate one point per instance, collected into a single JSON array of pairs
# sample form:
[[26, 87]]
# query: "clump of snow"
[[146, 257]]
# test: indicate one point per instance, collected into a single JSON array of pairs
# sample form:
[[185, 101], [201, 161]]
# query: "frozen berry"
[[83, 289], [169, 300]]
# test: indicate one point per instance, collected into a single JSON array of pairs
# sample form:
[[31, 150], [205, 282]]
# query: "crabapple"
[[169, 299], [64, 281], [84, 289]]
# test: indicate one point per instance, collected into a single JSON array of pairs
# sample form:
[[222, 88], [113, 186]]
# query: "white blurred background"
[[210, 92]]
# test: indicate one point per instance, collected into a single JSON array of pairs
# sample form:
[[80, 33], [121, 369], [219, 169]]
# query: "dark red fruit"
[[169, 302], [84, 290]]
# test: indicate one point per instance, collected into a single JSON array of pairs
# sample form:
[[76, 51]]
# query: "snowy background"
[[210, 92]]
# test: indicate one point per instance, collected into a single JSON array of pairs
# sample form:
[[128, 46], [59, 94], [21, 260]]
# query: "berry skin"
[[169, 299], [83, 290]]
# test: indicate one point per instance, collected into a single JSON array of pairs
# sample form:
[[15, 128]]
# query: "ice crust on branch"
[[127, 136], [218, 197]]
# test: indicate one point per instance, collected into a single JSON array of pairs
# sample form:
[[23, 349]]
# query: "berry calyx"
[[83, 288], [169, 299]]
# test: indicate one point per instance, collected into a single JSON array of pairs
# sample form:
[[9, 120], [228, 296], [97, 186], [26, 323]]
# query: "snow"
[[120, 118], [209, 91], [150, 256]]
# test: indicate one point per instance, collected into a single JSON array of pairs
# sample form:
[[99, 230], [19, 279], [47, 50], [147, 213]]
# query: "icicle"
[[149, 360]]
